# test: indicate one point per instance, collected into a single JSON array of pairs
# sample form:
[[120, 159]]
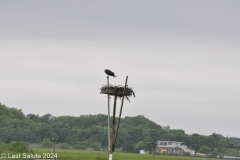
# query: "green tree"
[[33, 117], [212, 142], [204, 149], [47, 118], [223, 143], [140, 145]]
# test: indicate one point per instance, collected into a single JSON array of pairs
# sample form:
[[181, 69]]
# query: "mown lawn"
[[98, 155]]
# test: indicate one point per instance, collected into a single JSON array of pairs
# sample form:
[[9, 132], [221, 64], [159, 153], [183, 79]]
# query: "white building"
[[172, 147], [185, 149]]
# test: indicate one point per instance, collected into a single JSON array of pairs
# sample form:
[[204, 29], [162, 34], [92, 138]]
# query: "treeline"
[[90, 131]]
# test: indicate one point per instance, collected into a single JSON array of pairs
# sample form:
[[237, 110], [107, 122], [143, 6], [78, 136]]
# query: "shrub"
[[46, 143], [78, 146], [96, 145], [17, 147], [64, 146], [187, 154]]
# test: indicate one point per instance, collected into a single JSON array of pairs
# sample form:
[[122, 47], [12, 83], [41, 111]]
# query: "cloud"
[[181, 59]]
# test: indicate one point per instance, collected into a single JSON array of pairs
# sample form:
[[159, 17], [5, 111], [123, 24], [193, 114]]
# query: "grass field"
[[98, 155]]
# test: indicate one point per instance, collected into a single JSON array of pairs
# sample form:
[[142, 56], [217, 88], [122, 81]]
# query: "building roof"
[[168, 141]]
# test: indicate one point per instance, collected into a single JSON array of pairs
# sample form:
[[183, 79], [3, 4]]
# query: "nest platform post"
[[113, 124], [117, 92], [120, 113]]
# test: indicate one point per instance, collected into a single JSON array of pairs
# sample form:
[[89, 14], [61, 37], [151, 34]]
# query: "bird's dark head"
[[107, 70]]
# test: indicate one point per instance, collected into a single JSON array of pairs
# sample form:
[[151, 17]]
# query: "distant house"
[[172, 147], [185, 149]]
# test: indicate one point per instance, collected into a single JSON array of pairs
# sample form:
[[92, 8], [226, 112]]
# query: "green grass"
[[98, 155]]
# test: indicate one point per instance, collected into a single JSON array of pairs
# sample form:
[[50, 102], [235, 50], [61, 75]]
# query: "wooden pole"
[[120, 113], [54, 142], [153, 148], [109, 139], [113, 124]]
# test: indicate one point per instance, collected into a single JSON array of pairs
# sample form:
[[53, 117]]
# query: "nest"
[[118, 91]]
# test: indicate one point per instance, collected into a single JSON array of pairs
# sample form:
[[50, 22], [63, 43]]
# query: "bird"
[[110, 73]]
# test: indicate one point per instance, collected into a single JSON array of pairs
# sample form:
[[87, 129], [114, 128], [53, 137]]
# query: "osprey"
[[110, 73]]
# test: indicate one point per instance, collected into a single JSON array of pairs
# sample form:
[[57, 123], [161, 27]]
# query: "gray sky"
[[182, 58]]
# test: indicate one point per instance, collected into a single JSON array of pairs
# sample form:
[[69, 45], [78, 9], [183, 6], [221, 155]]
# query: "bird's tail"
[[114, 76]]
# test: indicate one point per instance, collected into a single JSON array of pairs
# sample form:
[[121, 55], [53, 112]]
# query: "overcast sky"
[[182, 59]]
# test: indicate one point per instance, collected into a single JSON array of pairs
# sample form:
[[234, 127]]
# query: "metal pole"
[[110, 156], [120, 113], [109, 140]]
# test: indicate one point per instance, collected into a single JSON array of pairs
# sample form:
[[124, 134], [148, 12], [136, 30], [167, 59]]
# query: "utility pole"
[[153, 148], [54, 143]]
